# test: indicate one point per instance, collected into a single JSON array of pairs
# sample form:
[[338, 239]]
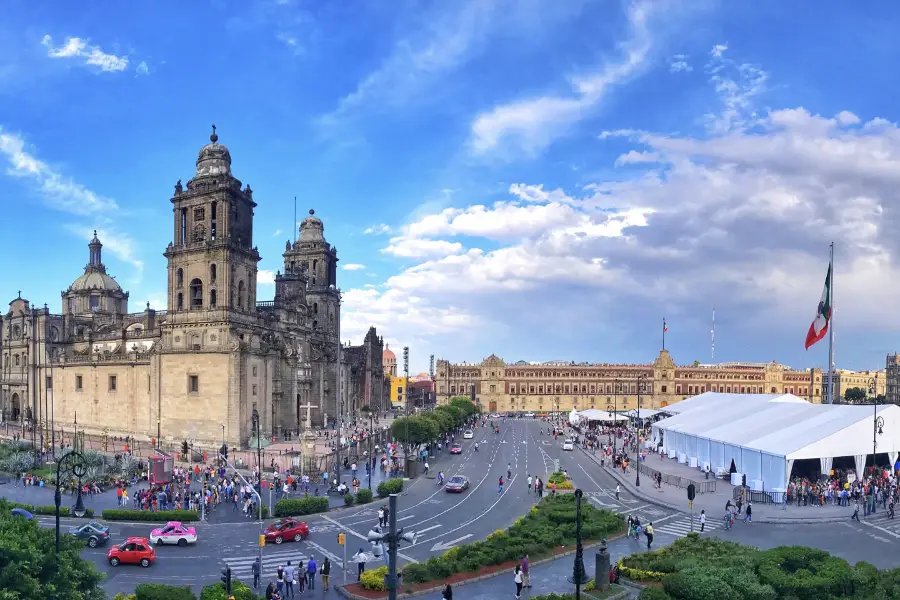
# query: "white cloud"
[[738, 85], [79, 48], [120, 244], [58, 191], [277, 233], [158, 302], [265, 277], [142, 68], [354, 267], [679, 64], [738, 217], [530, 125], [291, 41], [379, 229]]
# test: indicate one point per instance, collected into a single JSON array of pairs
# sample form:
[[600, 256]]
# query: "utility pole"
[[256, 493], [393, 538]]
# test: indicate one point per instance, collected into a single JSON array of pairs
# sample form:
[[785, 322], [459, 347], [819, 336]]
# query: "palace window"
[[253, 390], [212, 273], [212, 298], [254, 370], [193, 384], [199, 214], [678, 389], [663, 389], [49, 383], [240, 298], [94, 303], [179, 278], [113, 383], [16, 358], [180, 302], [493, 388]]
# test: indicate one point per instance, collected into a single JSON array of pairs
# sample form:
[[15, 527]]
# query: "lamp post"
[[579, 576], [75, 464], [617, 387], [641, 382], [877, 424]]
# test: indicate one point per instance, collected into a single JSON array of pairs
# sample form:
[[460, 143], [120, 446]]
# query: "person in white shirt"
[[529, 483], [702, 520], [618, 489]]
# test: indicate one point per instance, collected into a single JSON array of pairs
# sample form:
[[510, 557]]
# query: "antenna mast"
[[713, 335]]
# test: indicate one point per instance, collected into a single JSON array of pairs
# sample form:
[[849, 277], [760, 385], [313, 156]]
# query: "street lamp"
[[617, 387], [878, 422], [74, 463], [641, 382], [579, 576]]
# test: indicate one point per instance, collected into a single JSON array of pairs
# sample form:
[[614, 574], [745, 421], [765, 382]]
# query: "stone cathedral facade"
[[197, 370]]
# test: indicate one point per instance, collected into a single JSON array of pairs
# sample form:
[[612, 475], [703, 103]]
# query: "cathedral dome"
[[312, 229], [94, 276], [214, 158], [388, 354]]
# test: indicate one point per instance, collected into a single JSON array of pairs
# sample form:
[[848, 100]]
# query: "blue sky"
[[541, 180]]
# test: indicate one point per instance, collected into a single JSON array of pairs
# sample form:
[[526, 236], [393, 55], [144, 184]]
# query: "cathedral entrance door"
[[492, 406], [16, 408]]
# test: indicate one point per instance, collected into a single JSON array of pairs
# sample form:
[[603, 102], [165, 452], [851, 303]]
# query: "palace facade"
[[200, 369], [563, 386]]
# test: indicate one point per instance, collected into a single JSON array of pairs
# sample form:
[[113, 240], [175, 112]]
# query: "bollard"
[[601, 567]]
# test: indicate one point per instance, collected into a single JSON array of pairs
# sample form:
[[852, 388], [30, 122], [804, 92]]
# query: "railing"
[[763, 497], [266, 304], [700, 487]]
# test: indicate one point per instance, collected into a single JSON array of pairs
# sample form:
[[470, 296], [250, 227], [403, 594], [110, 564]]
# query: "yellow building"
[[847, 380], [564, 386]]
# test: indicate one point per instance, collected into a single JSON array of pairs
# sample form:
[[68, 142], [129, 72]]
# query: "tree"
[[696, 363], [454, 412], [855, 395], [412, 431], [29, 567], [465, 405], [442, 421]]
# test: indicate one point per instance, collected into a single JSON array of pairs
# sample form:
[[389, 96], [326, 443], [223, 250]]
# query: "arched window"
[[212, 298], [180, 301], [240, 298], [315, 324], [17, 360], [179, 278], [315, 308], [196, 293], [212, 273]]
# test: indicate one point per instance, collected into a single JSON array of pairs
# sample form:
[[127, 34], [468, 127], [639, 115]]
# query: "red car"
[[455, 449], [133, 551], [287, 529]]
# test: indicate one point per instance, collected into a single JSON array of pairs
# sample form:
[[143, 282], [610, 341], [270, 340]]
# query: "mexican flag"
[[819, 326]]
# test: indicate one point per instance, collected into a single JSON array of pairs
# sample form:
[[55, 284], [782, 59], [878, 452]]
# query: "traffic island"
[[546, 533]]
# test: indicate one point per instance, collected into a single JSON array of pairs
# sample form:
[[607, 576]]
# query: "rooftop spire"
[[214, 138]]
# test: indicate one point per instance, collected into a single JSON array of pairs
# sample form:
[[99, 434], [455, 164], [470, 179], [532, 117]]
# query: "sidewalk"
[[549, 577], [714, 503]]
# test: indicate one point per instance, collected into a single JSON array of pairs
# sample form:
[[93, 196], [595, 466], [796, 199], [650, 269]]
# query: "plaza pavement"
[[714, 503]]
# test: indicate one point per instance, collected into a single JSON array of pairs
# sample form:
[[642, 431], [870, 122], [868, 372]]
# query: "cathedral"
[[199, 370]]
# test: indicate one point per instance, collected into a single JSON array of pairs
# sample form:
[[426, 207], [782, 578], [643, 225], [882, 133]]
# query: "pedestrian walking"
[[381, 517], [855, 511], [529, 482], [748, 513], [618, 489], [517, 578], [360, 558], [526, 572], [326, 573], [279, 582], [702, 520], [447, 594], [311, 567], [255, 569], [288, 580], [649, 533]]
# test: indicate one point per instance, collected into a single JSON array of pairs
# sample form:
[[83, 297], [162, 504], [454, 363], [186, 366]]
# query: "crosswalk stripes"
[[881, 521], [242, 566], [682, 527]]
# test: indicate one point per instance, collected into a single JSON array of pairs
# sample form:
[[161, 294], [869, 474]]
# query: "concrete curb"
[[633, 490], [346, 594]]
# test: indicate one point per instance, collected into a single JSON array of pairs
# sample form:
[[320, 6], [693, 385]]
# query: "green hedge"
[[547, 526], [649, 593], [145, 516], [704, 568], [50, 510], [391, 486], [240, 591], [293, 507], [349, 499], [364, 496], [162, 591]]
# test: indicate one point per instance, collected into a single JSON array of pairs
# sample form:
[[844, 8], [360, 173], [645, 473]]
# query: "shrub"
[[692, 550], [121, 596], [374, 579], [649, 593], [391, 486], [364, 496], [699, 583], [349, 499], [292, 507], [162, 591], [240, 591], [162, 516], [805, 573], [49, 510]]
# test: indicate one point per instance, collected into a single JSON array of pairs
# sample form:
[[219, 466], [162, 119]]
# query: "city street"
[[444, 520]]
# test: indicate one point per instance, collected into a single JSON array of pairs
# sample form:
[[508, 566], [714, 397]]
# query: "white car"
[[568, 445], [469, 434], [529, 415]]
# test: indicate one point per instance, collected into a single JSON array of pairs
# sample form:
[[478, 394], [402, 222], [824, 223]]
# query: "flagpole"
[[664, 333], [831, 333]]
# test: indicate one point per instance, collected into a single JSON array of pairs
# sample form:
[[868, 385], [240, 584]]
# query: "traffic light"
[[184, 447], [341, 539], [226, 579]]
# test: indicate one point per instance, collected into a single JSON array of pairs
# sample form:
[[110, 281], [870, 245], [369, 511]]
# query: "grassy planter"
[[294, 507], [561, 481], [145, 516], [374, 579], [391, 486], [548, 526], [50, 510], [162, 591]]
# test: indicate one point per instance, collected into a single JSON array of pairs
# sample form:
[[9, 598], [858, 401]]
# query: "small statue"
[[178, 187]]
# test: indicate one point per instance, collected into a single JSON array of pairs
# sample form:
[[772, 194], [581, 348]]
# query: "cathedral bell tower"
[[212, 260], [313, 255]]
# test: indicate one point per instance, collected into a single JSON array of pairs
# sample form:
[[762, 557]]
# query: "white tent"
[[647, 413], [764, 434], [595, 414]]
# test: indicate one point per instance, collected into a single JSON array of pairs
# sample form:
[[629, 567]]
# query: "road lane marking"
[[421, 531], [366, 539], [332, 557], [405, 518], [626, 511], [441, 546]]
